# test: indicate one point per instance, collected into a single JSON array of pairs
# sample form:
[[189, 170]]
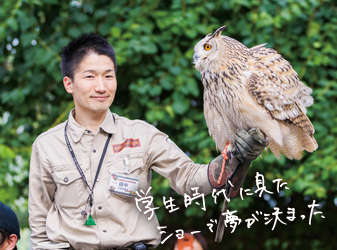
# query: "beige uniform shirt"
[[58, 194]]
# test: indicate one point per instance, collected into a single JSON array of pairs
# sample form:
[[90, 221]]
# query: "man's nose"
[[100, 85]]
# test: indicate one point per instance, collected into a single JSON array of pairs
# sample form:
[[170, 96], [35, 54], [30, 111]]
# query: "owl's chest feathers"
[[223, 87], [226, 93]]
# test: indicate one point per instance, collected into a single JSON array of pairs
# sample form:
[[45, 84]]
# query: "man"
[[9, 228], [84, 173]]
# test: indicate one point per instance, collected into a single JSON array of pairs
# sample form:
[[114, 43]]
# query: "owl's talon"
[[231, 156], [266, 142]]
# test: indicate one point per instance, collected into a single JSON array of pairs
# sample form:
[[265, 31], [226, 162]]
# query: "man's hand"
[[248, 146]]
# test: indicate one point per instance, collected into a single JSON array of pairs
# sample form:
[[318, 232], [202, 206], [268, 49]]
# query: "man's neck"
[[90, 121]]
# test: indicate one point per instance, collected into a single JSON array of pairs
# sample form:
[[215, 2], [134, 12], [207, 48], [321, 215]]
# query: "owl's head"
[[206, 50]]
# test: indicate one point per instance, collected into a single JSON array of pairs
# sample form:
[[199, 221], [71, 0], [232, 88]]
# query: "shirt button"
[[94, 150], [104, 231], [65, 179], [100, 207]]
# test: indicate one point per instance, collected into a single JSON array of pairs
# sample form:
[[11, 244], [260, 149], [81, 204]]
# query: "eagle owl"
[[255, 87]]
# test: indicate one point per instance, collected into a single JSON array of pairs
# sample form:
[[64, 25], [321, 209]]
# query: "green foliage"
[[157, 82]]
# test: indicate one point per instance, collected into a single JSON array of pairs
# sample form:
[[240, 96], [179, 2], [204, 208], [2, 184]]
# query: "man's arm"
[[41, 195], [170, 161], [167, 159]]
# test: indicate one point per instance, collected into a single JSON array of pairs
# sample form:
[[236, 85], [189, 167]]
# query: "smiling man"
[[84, 173], [93, 87]]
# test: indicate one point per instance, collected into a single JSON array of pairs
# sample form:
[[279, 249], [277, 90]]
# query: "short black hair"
[[4, 235], [83, 45]]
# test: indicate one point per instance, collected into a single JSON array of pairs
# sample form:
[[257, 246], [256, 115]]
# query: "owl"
[[247, 88]]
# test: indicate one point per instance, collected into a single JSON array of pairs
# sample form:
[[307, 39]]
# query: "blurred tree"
[[157, 82]]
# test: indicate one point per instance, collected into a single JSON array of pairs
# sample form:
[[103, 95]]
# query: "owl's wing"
[[275, 85]]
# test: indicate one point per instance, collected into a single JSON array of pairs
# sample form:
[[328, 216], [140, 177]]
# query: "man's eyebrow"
[[94, 71]]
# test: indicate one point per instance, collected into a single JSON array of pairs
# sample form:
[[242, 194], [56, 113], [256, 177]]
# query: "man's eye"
[[109, 76], [90, 76]]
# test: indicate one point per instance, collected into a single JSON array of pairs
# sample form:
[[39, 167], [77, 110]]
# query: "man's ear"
[[68, 84], [11, 242]]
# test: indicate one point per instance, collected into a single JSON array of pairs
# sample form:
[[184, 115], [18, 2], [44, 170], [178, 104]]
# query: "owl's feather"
[[253, 88], [275, 85]]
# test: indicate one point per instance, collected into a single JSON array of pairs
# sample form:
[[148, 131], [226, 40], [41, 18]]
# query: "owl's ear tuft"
[[208, 35], [218, 31]]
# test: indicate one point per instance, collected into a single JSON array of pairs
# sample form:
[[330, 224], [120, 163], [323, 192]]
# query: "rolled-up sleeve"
[[41, 196], [167, 159]]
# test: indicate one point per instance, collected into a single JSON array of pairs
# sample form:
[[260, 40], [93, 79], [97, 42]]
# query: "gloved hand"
[[248, 146]]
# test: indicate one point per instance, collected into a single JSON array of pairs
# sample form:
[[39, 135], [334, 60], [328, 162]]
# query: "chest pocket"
[[129, 164], [70, 188]]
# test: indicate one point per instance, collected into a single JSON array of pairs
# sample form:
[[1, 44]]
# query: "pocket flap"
[[66, 177], [131, 162]]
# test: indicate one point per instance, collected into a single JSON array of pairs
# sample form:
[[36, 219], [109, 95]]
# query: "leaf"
[[190, 87], [26, 21], [313, 29], [180, 104], [115, 31], [6, 152], [175, 70], [167, 83], [27, 38], [155, 90], [99, 14], [80, 18]]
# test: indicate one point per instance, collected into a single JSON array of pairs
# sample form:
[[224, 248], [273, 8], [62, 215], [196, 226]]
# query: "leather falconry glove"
[[248, 146]]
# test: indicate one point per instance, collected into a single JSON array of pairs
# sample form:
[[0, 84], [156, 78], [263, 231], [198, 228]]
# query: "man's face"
[[94, 84]]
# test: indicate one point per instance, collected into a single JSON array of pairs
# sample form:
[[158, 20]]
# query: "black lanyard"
[[90, 199]]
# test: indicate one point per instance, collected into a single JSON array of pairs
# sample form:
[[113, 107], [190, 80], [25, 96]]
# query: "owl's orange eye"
[[207, 47]]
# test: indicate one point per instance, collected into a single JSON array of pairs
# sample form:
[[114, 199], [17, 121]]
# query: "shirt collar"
[[109, 123], [76, 130]]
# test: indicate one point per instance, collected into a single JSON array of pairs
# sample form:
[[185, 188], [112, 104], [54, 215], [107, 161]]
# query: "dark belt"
[[136, 246]]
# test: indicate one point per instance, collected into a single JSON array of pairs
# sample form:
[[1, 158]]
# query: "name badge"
[[123, 184]]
